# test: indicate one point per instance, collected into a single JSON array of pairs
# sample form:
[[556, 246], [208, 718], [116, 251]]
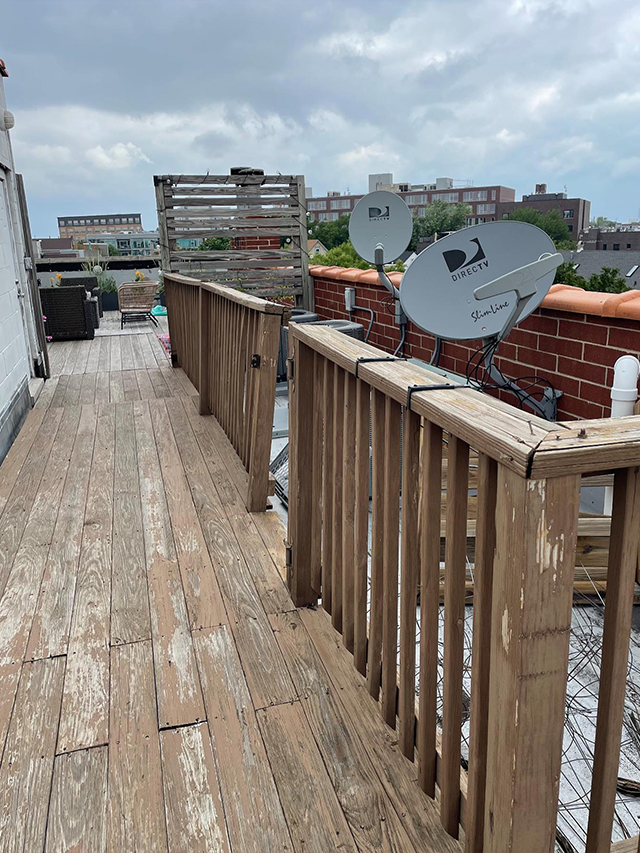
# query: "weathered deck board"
[[50, 632], [27, 764], [195, 818], [84, 719], [17, 454], [136, 811], [78, 810], [316, 821], [254, 814], [179, 696]]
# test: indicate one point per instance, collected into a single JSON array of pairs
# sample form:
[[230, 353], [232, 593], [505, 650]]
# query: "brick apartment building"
[[81, 227], [575, 211], [483, 201], [620, 239]]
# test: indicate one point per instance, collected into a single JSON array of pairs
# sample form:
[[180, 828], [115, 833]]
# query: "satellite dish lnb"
[[442, 291], [379, 219]]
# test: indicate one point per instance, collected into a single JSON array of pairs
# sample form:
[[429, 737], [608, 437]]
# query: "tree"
[[346, 256], [608, 280], [551, 222], [214, 244], [330, 234], [438, 217], [566, 274], [112, 250], [601, 222]]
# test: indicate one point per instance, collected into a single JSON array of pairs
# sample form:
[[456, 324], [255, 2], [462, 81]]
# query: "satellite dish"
[[382, 219], [438, 290]]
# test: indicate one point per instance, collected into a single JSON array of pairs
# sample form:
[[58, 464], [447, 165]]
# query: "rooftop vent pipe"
[[624, 393]]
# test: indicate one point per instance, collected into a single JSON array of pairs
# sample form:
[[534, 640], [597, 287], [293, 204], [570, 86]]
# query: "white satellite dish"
[[379, 219], [442, 291]]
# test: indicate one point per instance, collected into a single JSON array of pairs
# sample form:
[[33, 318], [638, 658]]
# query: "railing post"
[[268, 339], [204, 347], [536, 530], [301, 440]]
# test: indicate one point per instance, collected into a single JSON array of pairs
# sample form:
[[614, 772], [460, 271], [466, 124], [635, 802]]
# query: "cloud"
[[122, 155], [516, 92]]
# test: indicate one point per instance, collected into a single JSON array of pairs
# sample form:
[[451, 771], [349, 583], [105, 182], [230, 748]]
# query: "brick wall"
[[573, 349]]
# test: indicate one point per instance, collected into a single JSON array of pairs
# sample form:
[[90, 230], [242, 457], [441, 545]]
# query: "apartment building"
[[81, 227], [575, 211]]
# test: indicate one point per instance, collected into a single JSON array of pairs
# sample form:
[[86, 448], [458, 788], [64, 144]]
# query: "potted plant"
[[109, 291]]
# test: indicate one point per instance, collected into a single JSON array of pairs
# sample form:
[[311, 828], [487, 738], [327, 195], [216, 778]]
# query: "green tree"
[[608, 280], [214, 244], [551, 222], [566, 274], [438, 217], [601, 222], [330, 234], [346, 256], [112, 250]]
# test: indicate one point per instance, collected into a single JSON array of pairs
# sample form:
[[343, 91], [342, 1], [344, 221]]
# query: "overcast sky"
[[108, 93]]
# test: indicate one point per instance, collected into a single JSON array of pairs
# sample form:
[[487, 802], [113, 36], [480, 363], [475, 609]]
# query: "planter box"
[[109, 301]]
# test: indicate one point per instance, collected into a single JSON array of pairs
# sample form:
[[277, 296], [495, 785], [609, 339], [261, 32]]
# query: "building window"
[[628, 245], [340, 204], [567, 214], [570, 227], [604, 247], [416, 199], [616, 247], [317, 205], [475, 195], [333, 216], [505, 215], [449, 198], [420, 211], [486, 208], [103, 222], [321, 217], [493, 195]]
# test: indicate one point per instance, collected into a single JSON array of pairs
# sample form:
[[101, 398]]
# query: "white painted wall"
[[14, 358]]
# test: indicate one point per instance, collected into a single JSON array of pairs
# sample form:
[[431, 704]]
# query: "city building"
[[138, 243], [80, 227], [575, 211], [483, 200], [621, 238], [315, 247], [55, 247]]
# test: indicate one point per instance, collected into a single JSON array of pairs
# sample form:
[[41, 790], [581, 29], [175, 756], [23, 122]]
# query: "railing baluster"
[[391, 491], [361, 525], [481, 651], [348, 502], [316, 474], [338, 429], [374, 659], [409, 579], [623, 555], [204, 336], [328, 485], [431, 499]]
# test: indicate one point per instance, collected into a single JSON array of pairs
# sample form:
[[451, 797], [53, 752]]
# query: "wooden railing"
[[527, 473], [227, 343]]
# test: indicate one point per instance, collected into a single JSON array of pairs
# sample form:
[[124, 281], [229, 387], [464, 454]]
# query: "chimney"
[[541, 189]]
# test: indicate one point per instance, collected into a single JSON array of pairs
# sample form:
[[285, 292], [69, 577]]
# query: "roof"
[[55, 242], [592, 261], [561, 297]]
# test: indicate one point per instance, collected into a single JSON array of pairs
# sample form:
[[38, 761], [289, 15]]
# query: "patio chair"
[[69, 313], [135, 301]]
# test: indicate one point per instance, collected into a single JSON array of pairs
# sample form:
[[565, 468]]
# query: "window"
[[333, 216], [75, 222], [110, 221], [416, 199], [628, 245], [321, 217], [632, 271], [474, 195], [317, 205], [419, 211], [604, 247], [616, 247], [486, 208], [567, 214], [450, 198], [340, 204], [505, 215], [570, 227], [493, 195], [103, 222]]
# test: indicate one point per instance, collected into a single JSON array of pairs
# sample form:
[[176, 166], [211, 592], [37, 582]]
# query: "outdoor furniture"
[[69, 313], [135, 301], [90, 284]]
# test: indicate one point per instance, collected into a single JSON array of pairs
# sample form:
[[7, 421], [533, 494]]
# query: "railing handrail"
[[254, 302], [521, 441]]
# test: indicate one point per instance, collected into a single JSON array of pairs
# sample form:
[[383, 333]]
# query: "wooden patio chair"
[[135, 301]]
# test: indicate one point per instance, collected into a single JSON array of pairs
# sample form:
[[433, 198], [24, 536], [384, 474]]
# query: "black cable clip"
[[360, 361], [413, 388]]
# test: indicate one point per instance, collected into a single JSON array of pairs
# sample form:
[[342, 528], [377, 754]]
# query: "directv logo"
[[375, 213], [457, 259]]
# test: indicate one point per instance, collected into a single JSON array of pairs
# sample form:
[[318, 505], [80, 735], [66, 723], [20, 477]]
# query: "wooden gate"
[[262, 218]]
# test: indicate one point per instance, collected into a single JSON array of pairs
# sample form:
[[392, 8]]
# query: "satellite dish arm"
[[523, 282], [384, 278]]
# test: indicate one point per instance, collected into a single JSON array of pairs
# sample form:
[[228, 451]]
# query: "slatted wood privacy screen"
[[227, 343], [256, 213], [527, 474]]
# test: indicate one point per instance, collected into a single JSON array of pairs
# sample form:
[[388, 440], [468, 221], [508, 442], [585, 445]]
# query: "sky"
[[108, 93]]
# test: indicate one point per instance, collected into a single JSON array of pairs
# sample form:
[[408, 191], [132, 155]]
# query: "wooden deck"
[[158, 689]]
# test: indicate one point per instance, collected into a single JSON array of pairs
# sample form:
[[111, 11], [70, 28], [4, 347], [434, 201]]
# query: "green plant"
[[113, 251], [215, 244], [608, 280], [107, 283], [438, 217], [551, 222]]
